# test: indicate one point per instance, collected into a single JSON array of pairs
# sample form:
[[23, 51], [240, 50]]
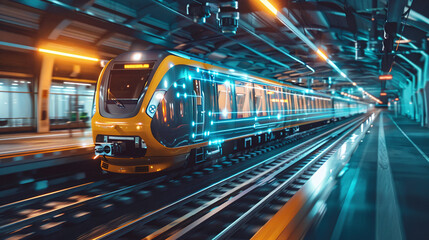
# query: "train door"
[[198, 123]]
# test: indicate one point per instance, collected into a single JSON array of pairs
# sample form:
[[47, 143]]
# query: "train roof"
[[161, 54]]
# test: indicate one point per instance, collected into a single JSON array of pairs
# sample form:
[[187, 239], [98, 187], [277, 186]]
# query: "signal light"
[[385, 77], [396, 99]]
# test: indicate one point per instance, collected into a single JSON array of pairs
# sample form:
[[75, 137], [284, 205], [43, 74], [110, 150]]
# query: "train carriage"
[[158, 110]]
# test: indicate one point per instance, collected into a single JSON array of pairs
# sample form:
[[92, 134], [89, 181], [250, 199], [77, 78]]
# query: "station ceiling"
[[262, 44]]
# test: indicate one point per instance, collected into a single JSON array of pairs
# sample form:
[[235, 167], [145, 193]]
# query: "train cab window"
[[126, 85], [260, 100], [224, 99], [244, 99]]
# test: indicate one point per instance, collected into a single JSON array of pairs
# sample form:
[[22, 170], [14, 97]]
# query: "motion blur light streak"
[[68, 55]]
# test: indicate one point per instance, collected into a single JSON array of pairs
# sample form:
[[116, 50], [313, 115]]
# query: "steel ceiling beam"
[[211, 28]]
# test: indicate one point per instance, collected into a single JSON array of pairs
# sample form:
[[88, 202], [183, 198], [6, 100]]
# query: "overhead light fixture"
[[322, 55], [199, 12], [385, 77], [270, 6], [402, 41], [137, 56], [68, 54]]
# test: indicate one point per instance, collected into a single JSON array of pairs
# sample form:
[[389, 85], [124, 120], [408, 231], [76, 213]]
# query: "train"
[[160, 110]]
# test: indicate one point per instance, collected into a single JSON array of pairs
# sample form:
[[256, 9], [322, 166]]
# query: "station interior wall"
[[414, 101]]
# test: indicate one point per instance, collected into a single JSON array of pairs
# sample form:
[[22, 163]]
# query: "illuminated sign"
[[134, 66]]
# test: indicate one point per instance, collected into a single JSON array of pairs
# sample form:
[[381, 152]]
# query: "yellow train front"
[[158, 110]]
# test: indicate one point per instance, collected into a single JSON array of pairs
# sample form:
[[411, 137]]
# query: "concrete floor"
[[383, 192]]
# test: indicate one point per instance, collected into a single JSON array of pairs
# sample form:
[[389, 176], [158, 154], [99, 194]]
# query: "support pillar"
[[426, 99], [45, 79]]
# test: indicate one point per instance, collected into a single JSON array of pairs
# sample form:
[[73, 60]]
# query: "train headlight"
[[106, 149], [153, 104]]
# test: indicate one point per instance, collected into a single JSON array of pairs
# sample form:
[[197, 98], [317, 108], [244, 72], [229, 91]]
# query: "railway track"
[[74, 204]]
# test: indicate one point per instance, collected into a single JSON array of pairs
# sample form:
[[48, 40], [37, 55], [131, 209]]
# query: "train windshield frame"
[[126, 86]]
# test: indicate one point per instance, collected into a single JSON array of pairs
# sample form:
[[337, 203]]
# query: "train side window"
[[303, 104], [296, 103], [280, 102], [285, 102], [171, 108], [273, 100], [244, 99], [308, 102], [170, 124], [197, 91], [289, 108], [224, 99], [260, 100]]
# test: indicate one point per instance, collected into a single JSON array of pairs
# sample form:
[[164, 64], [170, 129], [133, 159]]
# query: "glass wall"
[[16, 105], [70, 102]]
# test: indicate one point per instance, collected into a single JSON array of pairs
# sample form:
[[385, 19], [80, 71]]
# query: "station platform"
[[24, 151], [29, 142], [382, 193]]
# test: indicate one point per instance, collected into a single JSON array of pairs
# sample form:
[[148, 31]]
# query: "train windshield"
[[126, 85]]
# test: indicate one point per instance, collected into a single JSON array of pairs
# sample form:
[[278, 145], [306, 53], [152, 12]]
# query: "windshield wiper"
[[117, 102]]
